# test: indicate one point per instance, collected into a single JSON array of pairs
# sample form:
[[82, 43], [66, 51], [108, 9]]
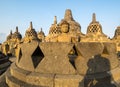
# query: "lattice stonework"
[[94, 29], [31, 33], [55, 31], [117, 32]]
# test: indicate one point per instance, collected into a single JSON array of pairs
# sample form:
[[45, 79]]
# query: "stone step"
[[14, 82], [17, 72], [6, 64], [47, 80], [56, 80], [115, 73], [3, 80], [3, 60], [32, 77]]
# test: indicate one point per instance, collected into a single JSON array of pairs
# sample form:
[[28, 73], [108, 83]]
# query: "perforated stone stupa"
[[13, 39], [94, 32], [30, 34], [116, 38], [41, 35], [67, 58], [53, 32]]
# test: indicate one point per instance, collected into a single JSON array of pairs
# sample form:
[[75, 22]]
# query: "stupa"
[[9, 36], [16, 37], [91, 63], [41, 36], [74, 27], [10, 45], [94, 32], [116, 38], [30, 34], [53, 32]]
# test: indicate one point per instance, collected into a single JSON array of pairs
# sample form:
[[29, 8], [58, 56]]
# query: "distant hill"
[[2, 37]]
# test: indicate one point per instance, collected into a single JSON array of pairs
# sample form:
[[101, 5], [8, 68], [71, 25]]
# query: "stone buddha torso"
[[64, 36]]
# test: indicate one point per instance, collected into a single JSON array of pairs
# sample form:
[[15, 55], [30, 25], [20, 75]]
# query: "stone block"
[[95, 57], [15, 82], [68, 81], [56, 59], [109, 53], [18, 73], [115, 74], [89, 49], [25, 56], [46, 80]]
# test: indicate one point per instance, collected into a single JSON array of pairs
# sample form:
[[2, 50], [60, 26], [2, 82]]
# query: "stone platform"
[[4, 63], [33, 79], [65, 65]]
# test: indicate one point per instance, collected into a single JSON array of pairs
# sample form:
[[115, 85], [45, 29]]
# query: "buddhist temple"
[[65, 57], [74, 27], [16, 35], [13, 39], [94, 32], [116, 38], [30, 34], [53, 32], [41, 36], [9, 36]]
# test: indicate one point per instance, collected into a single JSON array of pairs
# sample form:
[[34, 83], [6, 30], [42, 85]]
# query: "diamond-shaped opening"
[[37, 56], [72, 56], [105, 51], [20, 55]]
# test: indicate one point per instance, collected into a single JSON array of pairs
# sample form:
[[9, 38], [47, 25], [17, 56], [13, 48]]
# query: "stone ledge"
[[18, 73], [51, 80], [46, 80], [115, 73], [6, 64], [68, 81], [14, 82]]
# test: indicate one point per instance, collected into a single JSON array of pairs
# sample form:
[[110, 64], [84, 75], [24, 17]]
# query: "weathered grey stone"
[[111, 56], [18, 72], [14, 82], [46, 80], [100, 56], [56, 57], [89, 49], [25, 61], [68, 81]]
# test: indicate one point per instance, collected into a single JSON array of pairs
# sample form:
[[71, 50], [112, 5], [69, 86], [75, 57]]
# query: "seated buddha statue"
[[65, 36]]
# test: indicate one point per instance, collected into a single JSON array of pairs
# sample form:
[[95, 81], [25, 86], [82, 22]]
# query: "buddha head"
[[64, 27]]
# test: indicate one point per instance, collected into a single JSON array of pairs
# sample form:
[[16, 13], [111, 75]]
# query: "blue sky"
[[41, 12]]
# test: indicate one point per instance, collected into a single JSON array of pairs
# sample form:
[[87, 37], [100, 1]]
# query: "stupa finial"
[[16, 28], [94, 17], [31, 26], [68, 15], [55, 19]]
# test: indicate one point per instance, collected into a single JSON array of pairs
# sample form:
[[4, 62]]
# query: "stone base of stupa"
[[16, 77], [52, 65]]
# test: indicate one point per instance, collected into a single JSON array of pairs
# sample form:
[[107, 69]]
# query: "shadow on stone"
[[97, 74]]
